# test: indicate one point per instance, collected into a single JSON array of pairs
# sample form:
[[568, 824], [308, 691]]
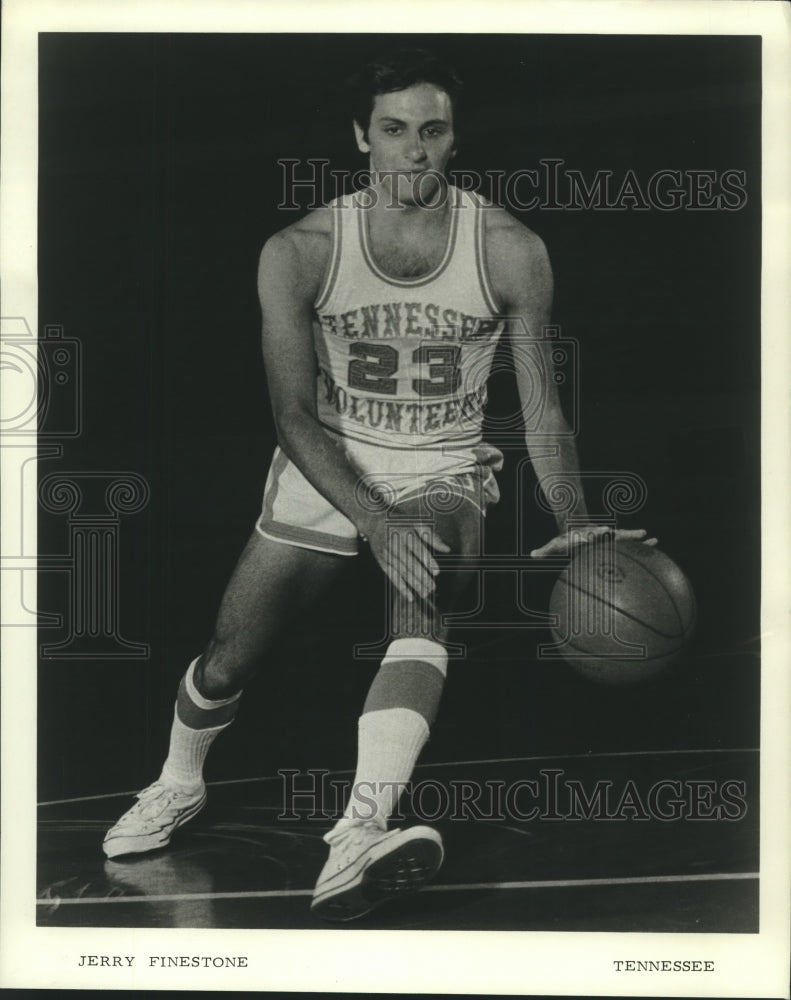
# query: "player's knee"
[[223, 669]]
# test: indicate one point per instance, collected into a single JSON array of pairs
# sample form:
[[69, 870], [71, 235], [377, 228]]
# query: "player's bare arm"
[[290, 274], [521, 274]]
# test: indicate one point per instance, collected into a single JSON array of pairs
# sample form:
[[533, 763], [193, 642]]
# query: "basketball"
[[623, 612]]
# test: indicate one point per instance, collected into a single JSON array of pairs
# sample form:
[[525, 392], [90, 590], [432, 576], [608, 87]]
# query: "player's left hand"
[[562, 545]]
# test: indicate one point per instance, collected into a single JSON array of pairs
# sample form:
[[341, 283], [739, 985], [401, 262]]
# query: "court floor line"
[[455, 887], [447, 763]]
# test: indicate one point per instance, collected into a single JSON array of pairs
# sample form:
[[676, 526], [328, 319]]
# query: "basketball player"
[[381, 313]]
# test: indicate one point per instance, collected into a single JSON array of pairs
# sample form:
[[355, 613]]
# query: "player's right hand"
[[406, 555]]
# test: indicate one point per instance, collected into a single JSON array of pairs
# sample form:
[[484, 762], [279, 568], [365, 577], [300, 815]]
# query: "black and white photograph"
[[395, 535]]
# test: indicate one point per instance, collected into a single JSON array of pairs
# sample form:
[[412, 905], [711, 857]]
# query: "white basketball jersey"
[[403, 362]]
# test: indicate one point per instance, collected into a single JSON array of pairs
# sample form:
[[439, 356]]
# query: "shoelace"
[[154, 800], [352, 835]]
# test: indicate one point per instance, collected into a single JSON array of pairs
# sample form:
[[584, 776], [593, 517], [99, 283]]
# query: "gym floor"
[[240, 864]]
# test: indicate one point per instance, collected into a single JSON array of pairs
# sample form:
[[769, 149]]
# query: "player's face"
[[411, 132]]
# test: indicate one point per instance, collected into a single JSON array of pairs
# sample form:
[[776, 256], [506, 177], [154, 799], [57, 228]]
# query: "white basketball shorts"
[[297, 514]]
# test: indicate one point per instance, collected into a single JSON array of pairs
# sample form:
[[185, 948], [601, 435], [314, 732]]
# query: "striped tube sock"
[[197, 721], [388, 745], [400, 707]]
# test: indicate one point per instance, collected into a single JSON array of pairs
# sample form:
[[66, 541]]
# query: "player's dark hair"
[[397, 70]]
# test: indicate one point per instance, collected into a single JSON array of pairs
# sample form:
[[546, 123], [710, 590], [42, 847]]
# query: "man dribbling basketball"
[[381, 314]]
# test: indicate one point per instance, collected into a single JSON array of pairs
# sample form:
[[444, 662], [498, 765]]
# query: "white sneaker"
[[367, 866], [160, 810]]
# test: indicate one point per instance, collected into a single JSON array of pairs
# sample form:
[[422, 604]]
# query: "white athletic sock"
[[389, 742], [187, 754], [189, 744]]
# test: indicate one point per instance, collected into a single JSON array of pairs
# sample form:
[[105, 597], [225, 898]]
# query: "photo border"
[[523, 962]]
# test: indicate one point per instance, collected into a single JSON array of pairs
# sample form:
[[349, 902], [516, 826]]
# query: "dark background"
[[158, 184]]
